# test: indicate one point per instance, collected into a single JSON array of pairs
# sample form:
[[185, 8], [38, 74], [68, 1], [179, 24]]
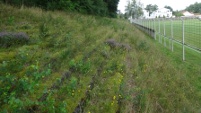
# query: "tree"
[[120, 14], [112, 7], [151, 8], [168, 7], [195, 8], [133, 9], [94, 7], [178, 13]]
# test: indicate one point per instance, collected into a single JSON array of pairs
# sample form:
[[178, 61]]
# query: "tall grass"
[[68, 67]]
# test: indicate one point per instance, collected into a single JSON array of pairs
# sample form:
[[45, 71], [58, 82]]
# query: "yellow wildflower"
[[114, 97], [112, 103]]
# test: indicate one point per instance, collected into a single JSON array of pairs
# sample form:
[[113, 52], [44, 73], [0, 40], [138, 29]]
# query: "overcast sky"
[[175, 4]]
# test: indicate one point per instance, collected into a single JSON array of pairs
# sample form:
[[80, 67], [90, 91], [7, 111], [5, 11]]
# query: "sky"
[[175, 4]]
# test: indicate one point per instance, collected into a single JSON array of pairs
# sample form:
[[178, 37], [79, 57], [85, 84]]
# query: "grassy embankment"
[[67, 66]]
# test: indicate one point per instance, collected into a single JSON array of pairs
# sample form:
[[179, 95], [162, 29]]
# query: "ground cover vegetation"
[[69, 62]]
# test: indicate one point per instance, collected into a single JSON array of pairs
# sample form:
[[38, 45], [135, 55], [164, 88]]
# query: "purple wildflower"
[[8, 39]]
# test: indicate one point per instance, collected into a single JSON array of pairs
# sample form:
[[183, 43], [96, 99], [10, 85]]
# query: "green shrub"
[[43, 30], [10, 20], [94, 7], [80, 66]]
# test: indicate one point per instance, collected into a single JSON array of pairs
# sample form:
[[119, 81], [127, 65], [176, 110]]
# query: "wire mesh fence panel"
[[161, 26], [180, 35], [156, 29], [193, 33], [168, 33], [177, 29]]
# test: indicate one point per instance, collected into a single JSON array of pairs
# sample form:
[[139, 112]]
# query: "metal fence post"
[[149, 28], [172, 35], [164, 32], [159, 31], [169, 38], [154, 30], [183, 41], [152, 25], [147, 21], [144, 24]]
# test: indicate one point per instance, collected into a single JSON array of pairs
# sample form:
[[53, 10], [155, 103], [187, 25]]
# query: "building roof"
[[163, 9], [186, 13]]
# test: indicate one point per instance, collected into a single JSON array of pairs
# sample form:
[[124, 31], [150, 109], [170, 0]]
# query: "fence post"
[[164, 32], [147, 21], [144, 24], [183, 41], [149, 27], [169, 38], [152, 27], [172, 35], [159, 30], [154, 30]]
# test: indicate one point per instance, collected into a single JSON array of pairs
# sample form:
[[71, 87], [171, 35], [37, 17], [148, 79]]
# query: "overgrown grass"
[[67, 66]]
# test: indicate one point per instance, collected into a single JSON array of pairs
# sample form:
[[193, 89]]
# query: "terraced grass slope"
[[80, 63]]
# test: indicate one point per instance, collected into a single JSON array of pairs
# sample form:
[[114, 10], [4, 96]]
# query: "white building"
[[187, 14], [145, 14], [160, 13]]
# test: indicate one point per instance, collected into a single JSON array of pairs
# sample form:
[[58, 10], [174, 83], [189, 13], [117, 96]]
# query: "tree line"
[[94, 7], [195, 8], [134, 9]]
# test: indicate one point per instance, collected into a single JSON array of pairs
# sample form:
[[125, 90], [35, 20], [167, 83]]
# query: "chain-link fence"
[[181, 35]]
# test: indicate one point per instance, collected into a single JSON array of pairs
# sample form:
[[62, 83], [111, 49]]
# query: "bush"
[[94, 7], [8, 39]]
